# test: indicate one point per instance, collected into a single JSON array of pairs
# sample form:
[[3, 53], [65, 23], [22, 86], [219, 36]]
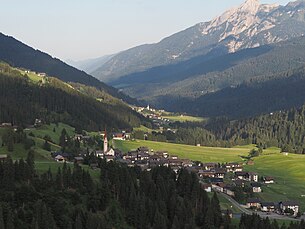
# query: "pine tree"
[[1, 219], [10, 220], [79, 222]]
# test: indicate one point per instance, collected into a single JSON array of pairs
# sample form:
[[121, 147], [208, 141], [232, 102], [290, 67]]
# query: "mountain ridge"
[[234, 30]]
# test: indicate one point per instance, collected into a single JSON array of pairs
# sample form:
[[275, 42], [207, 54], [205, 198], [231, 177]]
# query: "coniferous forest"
[[122, 197], [22, 101]]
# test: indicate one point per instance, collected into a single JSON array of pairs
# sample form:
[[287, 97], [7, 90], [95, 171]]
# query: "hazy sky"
[[81, 29]]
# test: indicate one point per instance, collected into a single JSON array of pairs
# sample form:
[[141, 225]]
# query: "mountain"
[[90, 65], [21, 55], [26, 96], [247, 26], [181, 86], [260, 95]]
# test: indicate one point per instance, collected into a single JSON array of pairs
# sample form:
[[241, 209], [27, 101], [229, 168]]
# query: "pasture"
[[195, 153]]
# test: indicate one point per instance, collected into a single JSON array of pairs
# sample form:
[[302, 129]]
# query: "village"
[[229, 179]]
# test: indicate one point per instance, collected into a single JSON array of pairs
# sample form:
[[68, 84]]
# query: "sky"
[[84, 29]]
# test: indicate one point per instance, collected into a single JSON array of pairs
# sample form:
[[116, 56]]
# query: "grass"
[[143, 129], [32, 76], [204, 154], [48, 130], [183, 118], [288, 172], [44, 166]]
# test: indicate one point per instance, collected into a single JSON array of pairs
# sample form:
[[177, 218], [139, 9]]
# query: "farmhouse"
[[268, 180], [209, 166], [207, 187], [256, 187], [60, 158], [3, 157], [78, 160], [289, 206], [248, 176], [119, 136], [268, 206], [253, 203]]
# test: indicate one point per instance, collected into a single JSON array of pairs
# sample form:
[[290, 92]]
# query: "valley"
[[204, 128]]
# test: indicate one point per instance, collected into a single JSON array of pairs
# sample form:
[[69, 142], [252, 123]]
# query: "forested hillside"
[[257, 96], [20, 55], [122, 198], [22, 101]]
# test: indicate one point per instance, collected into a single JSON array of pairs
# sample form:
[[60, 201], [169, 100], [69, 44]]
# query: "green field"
[[289, 174], [49, 130], [183, 118], [204, 154]]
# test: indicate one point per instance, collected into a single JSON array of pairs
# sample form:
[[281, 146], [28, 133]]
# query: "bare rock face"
[[249, 25]]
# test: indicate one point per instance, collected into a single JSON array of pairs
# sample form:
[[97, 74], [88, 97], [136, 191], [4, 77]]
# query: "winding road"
[[261, 214]]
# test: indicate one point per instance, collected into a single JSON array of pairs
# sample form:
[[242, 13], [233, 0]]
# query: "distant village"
[[229, 178]]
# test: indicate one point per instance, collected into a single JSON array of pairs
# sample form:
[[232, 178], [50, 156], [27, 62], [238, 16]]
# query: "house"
[[99, 153], [268, 180], [109, 158], [242, 175], [218, 187], [143, 149], [60, 158], [3, 157], [288, 207], [162, 154], [207, 187], [110, 152], [187, 163], [119, 136], [214, 180], [174, 157], [227, 213], [253, 203], [240, 183], [219, 172], [253, 176], [42, 74], [233, 167], [228, 190], [209, 166], [268, 207], [6, 124], [78, 160], [248, 176], [206, 173], [256, 187]]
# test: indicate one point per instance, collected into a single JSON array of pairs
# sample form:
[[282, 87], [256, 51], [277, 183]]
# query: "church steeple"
[[105, 142]]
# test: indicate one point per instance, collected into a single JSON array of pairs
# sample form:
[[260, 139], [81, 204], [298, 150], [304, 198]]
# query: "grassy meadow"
[[183, 118], [205, 154], [289, 173]]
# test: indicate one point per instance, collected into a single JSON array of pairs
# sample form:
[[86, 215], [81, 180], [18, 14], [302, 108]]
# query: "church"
[[107, 151]]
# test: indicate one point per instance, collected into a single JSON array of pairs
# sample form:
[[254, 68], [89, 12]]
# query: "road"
[[261, 214]]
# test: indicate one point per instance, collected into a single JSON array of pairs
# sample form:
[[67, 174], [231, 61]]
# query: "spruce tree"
[[10, 220], [1, 219]]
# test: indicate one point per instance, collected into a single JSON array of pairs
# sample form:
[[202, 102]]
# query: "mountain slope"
[[18, 54], [90, 65], [25, 96], [258, 96], [247, 26]]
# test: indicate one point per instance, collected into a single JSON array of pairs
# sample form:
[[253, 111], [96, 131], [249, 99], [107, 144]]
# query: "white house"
[[60, 158], [286, 206]]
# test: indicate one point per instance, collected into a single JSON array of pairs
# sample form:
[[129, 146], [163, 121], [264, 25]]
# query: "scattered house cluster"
[[282, 207]]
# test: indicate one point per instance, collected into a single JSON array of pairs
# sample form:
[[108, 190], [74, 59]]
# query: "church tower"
[[105, 142]]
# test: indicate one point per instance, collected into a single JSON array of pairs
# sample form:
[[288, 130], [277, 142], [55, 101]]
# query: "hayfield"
[[202, 153]]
